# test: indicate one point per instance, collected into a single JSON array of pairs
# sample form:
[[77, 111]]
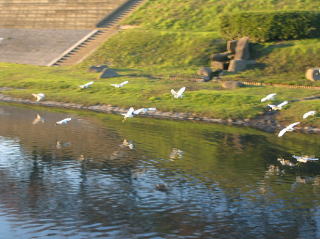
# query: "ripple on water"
[[83, 180]]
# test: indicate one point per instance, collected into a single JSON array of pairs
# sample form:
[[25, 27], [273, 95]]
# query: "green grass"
[[177, 37], [204, 99], [203, 15]]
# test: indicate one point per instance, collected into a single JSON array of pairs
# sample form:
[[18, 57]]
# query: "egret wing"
[[180, 92], [138, 111], [173, 92], [123, 83]]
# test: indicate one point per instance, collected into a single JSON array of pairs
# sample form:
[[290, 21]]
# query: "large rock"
[[313, 74], [98, 68], [222, 57], [238, 65], [231, 46], [108, 73], [231, 84], [218, 65], [205, 73], [242, 49]]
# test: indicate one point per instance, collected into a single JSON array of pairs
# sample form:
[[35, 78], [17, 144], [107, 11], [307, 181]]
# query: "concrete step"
[[51, 13], [87, 47]]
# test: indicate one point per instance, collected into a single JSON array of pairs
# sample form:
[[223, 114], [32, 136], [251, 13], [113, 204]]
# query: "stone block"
[[98, 68], [231, 84], [222, 57], [238, 65], [108, 73], [231, 46], [242, 49], [204, 71], [218, 65], [313, 74]]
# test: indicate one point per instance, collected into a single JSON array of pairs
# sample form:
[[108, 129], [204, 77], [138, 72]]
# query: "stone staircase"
[[55, 14], [106, 28]]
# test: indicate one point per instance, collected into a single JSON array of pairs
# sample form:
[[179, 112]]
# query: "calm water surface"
[[97, 178]]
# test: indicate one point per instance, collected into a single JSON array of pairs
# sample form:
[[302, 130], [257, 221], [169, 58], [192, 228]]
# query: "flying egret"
[[304, 159], [131, 112], [86, 85], [37, 120], [64, 121], [310, 113], [178, 94], [288, 129], [286, 162], [268, 97], [39, 96], [120, 85], [279, 106]]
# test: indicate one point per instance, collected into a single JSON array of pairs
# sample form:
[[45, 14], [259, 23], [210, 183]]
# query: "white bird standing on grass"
[[269, 97], [279, 106], [131, 112], [120, 85], [178, 94], [310, 113], [39, 96], [64, 121], [86, 85], [288, 129]]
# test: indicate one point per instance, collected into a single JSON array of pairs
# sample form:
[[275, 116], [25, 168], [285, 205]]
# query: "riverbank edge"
[[266, 122]]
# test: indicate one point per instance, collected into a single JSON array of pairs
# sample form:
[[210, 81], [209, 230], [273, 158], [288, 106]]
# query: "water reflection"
[[99, 178]]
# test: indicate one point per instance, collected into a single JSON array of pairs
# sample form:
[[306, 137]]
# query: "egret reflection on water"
[[38, 119], [99, 188]]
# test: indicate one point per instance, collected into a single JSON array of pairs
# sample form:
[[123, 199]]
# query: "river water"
[[97, 177]]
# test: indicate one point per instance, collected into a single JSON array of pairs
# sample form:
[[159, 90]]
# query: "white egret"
[[131, 112], [86, 85], [120, 85], [305, 159], [269, 97], [310, 113], [37, 120], [178, 94], [64, 121], [288, 129], [39, 96], [279, 106], [286, 162]]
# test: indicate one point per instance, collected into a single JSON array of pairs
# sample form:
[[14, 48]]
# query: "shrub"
[[271, 26]]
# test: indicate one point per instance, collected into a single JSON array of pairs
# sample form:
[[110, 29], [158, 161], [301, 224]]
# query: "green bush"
[[271, 26]]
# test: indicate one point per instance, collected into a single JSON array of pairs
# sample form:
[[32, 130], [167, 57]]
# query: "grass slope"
[[205, 99], [178, 36]]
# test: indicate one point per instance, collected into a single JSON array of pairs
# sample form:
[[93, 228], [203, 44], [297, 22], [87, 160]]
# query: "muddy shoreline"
[[266, 122]]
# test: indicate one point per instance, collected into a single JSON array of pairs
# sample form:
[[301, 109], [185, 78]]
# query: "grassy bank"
[[204, 99], [178, 37]]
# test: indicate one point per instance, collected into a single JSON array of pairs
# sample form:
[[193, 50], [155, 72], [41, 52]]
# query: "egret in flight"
[[131, 112], [269, 97], [120, 85], [64, 121], [39, 96], [178, 94], [305, 159], [279, 106], [310, 113], [86, 85], [288, 129]]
